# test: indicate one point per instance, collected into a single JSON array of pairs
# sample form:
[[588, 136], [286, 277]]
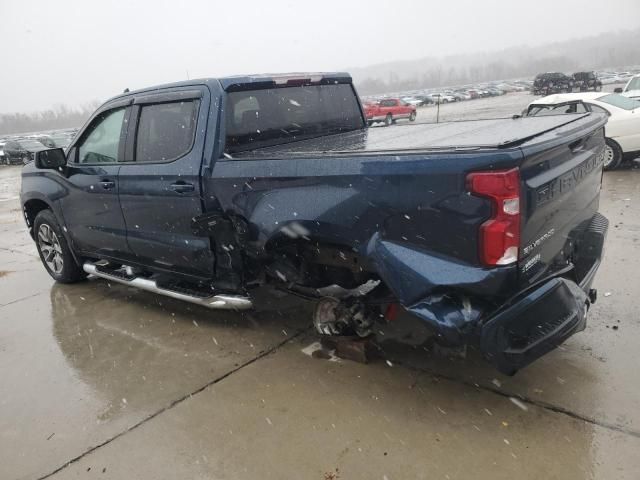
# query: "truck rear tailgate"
[[562, 175]]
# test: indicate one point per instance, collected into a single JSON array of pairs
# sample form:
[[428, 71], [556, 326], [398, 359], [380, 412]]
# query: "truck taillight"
[[500, 235]]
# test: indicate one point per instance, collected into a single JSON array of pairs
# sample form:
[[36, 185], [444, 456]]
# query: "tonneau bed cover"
[[470, 134]]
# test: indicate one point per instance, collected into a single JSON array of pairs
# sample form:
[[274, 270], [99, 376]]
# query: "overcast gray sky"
[[74, 51]]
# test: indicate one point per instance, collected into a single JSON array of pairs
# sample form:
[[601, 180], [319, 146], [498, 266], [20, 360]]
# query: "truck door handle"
[[107, 184], [182, 187]]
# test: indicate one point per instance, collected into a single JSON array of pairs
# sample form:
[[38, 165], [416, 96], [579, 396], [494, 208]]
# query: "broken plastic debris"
[[518, 403]]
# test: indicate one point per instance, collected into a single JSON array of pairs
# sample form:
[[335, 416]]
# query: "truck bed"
[[474, 134]]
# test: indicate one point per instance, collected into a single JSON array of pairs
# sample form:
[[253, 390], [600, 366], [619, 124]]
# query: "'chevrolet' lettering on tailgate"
[[569, 180]]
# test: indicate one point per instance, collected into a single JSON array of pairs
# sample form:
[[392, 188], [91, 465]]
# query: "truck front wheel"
[[54, 251]]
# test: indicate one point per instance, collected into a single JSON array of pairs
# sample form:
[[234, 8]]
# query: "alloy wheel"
[[609, 155], [50, 247]]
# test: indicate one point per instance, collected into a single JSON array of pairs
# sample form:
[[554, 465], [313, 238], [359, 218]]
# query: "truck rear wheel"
[[54, 251], [612, 154], [388, 120]]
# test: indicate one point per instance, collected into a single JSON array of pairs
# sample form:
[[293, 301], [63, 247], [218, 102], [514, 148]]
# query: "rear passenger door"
[[160, 180]]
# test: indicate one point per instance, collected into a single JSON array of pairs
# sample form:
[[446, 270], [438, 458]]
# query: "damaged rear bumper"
[[449, 297], [534, 325]]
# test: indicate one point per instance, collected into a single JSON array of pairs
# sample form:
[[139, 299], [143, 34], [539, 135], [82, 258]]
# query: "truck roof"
[[470, 134], [253, 80]]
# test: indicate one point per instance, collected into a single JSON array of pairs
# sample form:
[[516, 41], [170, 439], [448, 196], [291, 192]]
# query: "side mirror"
[[617, 90], [51, 159]]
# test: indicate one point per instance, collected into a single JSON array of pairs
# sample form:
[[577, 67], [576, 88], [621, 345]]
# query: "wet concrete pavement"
[[103, 381]]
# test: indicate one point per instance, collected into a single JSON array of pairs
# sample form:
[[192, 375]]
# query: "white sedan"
[[622, 131], [412, 101], [631, 89]]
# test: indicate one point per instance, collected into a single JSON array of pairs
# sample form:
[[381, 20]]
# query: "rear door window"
[[166, 130]]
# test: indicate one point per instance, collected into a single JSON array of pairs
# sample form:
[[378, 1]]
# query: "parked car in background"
[[585, 81], [442, 97], [61, 139], [631, 89], [425, 99], [608, 78], [622, 131], [416, 102], [22, 150], [389, 110], [495, 92], [461, 96], [45, 140], [552, 82]]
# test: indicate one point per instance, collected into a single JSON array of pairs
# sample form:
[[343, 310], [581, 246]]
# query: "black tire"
[[612, 155], [54, 251], [388, 120], [412, 117]]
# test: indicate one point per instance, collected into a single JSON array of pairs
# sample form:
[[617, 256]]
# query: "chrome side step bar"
[[216, 302]]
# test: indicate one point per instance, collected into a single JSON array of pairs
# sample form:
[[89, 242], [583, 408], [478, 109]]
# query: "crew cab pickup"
[[388, 111], [488, 231]]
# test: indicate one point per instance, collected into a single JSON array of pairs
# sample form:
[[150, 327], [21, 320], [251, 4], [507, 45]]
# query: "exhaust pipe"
[[216, 302]]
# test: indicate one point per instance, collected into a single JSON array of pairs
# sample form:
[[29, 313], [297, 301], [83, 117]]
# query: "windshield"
[[619, 101], [272, 116], [634, 84]]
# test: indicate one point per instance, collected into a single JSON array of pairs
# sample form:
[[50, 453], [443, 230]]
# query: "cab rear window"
[[272, 116]]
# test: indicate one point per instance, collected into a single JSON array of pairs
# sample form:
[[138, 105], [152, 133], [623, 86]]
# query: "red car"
[[388, 111]]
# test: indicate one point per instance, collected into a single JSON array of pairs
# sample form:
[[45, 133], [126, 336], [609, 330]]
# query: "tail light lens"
[[500, 235]]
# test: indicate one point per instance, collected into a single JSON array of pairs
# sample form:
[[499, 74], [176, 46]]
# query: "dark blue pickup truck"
[[488, 230]]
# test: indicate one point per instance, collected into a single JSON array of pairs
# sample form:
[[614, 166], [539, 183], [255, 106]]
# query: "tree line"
[[611, 50], [58, 117]]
